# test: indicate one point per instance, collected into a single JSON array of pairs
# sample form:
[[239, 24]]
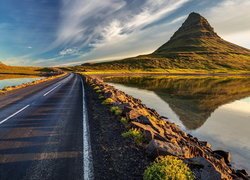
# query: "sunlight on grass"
[[108, 101], [168, 167], [116, 110], [136, 134]]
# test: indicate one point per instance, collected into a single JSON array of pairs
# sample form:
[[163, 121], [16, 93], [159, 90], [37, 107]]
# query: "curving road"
[[41, 131]]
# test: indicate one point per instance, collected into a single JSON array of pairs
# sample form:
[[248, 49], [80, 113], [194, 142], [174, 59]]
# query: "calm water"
[[213, 109], [16, 81]]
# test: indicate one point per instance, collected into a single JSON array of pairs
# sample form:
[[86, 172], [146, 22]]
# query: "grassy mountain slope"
[[6, 70], [194, 46]]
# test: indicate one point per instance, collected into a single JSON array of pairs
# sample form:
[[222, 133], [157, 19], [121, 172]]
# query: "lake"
[[17, 81], [214, 109]]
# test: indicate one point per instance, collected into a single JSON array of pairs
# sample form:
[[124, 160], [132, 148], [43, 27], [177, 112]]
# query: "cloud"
[[81, 18], [69, 51], [29, 47], [231, 20]]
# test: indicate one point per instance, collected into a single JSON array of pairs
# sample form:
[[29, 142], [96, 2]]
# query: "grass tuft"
[[124, 120], [96, 88], [98, 91], [101, 97], [108, 101], [134, 133], [116, 110]]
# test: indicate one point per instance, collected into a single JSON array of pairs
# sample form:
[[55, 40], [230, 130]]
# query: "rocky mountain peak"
[[195, 26]]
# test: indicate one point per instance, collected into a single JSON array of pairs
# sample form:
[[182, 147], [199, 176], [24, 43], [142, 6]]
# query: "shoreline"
[[9, 89], [115, 73], [162, 136], [132, 74]]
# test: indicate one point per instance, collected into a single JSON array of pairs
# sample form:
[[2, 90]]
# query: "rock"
[[205, 143], [149, 135], [143, 126], [225, 155], [156, 148], [143, 120], [108, 94], [203, 169], [243, 171], [242, 174], [164, 117], [127, 109], [120, 96], [133, 114]]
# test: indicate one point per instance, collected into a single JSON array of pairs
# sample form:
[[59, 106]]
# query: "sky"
[[70, 32]]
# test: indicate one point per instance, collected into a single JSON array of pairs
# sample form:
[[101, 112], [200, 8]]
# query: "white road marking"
[[51, 90], [14, 114], [29, 105], [87, 156]]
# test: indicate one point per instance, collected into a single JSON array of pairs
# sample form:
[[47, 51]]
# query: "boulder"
[[133, 114], [242, 174], [143, 120], [157, 148], [203, 169], [225, 155], [127, 108], [108, 94], [148, 135], [205, 143]]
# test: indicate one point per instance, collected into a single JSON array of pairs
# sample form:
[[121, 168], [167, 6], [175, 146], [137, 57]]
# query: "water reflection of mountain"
[[192, 99]]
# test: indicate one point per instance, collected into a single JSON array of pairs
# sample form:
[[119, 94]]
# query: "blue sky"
[[68, 32]]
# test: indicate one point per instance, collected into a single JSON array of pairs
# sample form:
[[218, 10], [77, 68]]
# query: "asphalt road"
[[41, 131]]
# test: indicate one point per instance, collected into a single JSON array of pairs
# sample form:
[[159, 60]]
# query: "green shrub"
[[168, 167], [108, 101], [96, 88], [100, 97], [116, 110], [98, 91], [124, 120], [136, 134]]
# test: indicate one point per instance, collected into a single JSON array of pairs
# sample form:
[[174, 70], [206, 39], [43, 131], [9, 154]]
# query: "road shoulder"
[[114, 157]]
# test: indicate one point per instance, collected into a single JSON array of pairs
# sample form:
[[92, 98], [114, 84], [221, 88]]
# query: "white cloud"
[[230, 20], [29, 47], [78, 15], [69, 51]]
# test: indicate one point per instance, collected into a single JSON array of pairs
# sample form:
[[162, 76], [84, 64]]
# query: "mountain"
[[2, 64], [197, 36], [193, 47]]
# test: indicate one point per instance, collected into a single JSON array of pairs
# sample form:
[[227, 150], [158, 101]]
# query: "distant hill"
[[6, 70], [194, 46], [2, 64]]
